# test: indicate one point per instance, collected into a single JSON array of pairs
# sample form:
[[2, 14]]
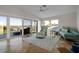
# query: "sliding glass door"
[[34, 26], [11, 26], [3, 27], [15, 26], [27, 27]]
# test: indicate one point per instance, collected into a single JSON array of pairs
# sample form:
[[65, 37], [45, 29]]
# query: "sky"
[[13, 21], [3, 20]]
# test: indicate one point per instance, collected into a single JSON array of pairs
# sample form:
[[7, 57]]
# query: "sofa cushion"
[[75, 33]]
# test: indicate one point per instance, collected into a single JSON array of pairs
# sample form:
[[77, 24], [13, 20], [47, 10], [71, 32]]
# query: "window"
[[27, 26], [46, 23], [54, 23], [15, 26], [3, 27], [27, 23], [50, 23], [34, 26]]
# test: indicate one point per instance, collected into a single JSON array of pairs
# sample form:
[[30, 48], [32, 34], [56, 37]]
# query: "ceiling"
[[34, 10]]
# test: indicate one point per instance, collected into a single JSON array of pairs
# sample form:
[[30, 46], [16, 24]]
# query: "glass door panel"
[[34, 26], [27, 27], [3, 27], [15, 26]]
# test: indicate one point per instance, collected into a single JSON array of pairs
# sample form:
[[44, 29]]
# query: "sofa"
[[69, 34]]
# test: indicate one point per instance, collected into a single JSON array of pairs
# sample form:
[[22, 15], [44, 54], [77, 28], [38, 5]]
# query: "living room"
[[39, 28]]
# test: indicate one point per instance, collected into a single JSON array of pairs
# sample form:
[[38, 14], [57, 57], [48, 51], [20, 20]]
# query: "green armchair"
[[42, 33]]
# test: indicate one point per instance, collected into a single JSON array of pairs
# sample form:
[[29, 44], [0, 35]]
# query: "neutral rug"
[[47, 43]]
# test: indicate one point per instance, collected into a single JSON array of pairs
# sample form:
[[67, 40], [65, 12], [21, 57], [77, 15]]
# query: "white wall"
[[65, 20], [68, 20], [78, 18]]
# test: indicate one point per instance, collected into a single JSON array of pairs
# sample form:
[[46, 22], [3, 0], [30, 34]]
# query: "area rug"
[[46, 43]]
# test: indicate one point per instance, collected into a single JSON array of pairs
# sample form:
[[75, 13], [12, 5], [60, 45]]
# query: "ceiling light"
[[43, 8]]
